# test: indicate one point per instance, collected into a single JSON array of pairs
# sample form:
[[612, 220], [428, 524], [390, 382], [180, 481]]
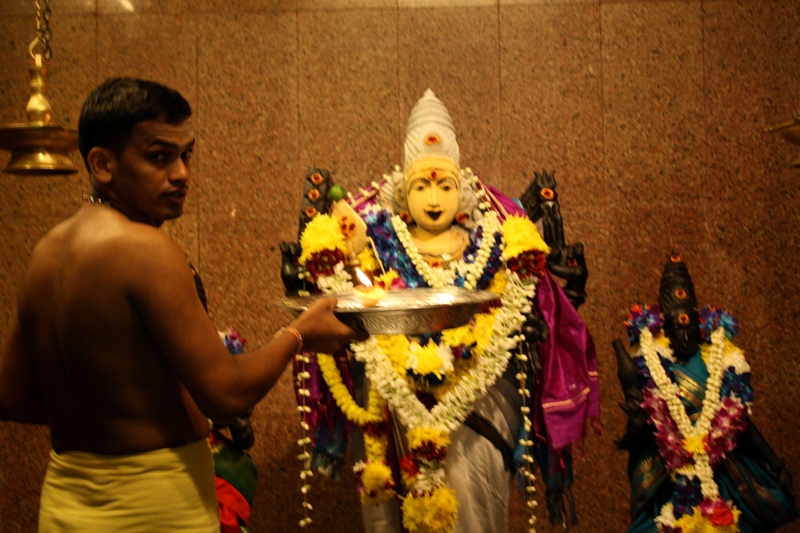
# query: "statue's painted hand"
[[290, 252], [569, 264], [628, 377], [535, 331]]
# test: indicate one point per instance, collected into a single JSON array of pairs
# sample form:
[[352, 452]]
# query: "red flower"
[[527, 264], [322, 263], [721, 516], [313, 195], [317, 178], [409, 466]]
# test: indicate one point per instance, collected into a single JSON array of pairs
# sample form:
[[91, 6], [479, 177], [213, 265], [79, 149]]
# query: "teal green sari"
[[742, 478]]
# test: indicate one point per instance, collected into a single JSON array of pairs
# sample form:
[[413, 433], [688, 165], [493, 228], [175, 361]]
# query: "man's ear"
[[102, 164]]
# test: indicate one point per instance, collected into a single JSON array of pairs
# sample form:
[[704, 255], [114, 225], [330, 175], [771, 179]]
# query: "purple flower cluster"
[[712, 318], [738, 384], [234, 342], [687, 495], [390, 250], [645, 379], [642, 315], [492, 265], [731, 419], [668, 439]]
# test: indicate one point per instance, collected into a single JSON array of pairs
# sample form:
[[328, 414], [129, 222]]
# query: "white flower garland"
[[456, 405], [439, 278], [669, 391], [338, 283]]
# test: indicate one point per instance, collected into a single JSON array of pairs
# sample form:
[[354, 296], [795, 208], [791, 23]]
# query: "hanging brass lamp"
[[790, 131], [39, 147]]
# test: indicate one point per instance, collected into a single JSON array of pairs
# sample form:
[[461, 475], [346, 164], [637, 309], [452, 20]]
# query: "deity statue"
[[445, 419], [696, 460]]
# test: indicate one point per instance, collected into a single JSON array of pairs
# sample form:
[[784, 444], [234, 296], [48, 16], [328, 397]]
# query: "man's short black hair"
[[113, 108]]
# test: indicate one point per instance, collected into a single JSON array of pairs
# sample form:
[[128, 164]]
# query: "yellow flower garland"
[[435, 512], [322, 233], [522, 236], [354, 413], [376, 476]]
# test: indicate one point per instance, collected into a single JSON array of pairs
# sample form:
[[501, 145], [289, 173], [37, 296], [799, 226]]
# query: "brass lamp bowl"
[[408, 311], [38, 150], [39, 147]]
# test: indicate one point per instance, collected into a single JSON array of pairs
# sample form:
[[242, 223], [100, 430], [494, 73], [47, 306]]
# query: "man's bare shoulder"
[[100, 241]]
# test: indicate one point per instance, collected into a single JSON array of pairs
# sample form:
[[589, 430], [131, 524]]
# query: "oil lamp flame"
[[363, 278]]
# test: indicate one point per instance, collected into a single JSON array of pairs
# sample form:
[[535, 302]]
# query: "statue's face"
[[683, 330], [433, 200]]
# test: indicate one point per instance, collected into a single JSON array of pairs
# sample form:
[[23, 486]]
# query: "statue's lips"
[[434, 214]]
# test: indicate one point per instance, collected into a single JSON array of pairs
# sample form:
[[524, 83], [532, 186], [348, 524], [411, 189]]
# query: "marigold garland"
[[522, 236], [322, 234], [345, 401]]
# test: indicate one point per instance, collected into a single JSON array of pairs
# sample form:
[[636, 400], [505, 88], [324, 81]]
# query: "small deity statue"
[[696, 460], [456, 412]]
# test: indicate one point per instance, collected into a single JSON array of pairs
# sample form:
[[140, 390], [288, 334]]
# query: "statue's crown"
[[430, 131], [676, 293]]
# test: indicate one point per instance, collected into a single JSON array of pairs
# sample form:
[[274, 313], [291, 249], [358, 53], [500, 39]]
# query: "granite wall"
[[651, 113]]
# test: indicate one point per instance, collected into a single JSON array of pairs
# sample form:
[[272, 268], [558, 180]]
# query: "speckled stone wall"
[[650, 112]]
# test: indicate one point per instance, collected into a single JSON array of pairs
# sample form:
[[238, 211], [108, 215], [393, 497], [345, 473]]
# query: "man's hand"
[[322, 331]]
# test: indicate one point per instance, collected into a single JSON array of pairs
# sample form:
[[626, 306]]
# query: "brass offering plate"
[[408, 311]]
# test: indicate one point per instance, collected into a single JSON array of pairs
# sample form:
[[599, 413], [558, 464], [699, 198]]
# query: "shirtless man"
[[109, 328]]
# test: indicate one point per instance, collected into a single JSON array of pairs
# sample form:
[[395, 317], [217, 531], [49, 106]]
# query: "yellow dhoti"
[[171, 489]]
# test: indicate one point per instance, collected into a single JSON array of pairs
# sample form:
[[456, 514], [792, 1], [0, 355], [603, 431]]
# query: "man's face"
[[433, 201], [151, 173]]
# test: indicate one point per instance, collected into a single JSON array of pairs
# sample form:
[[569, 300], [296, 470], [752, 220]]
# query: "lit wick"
[[368, 294], [363, 278]]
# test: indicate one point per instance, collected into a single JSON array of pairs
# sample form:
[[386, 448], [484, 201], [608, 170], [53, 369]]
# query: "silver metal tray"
[[408, 311]]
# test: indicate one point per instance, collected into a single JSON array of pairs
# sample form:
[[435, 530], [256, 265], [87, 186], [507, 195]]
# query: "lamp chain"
[[43, 34]]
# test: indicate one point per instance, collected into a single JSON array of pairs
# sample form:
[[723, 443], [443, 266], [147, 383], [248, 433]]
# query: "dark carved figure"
[[695, 463], [316, 199], [567, 262]]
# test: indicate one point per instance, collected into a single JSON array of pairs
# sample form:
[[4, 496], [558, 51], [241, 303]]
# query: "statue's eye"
[[675, 258], [548, 193], [683, 319], [432, 139], [680, 294]]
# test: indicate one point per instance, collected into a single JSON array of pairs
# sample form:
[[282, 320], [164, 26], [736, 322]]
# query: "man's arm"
[[164, 294], [21, 399]]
